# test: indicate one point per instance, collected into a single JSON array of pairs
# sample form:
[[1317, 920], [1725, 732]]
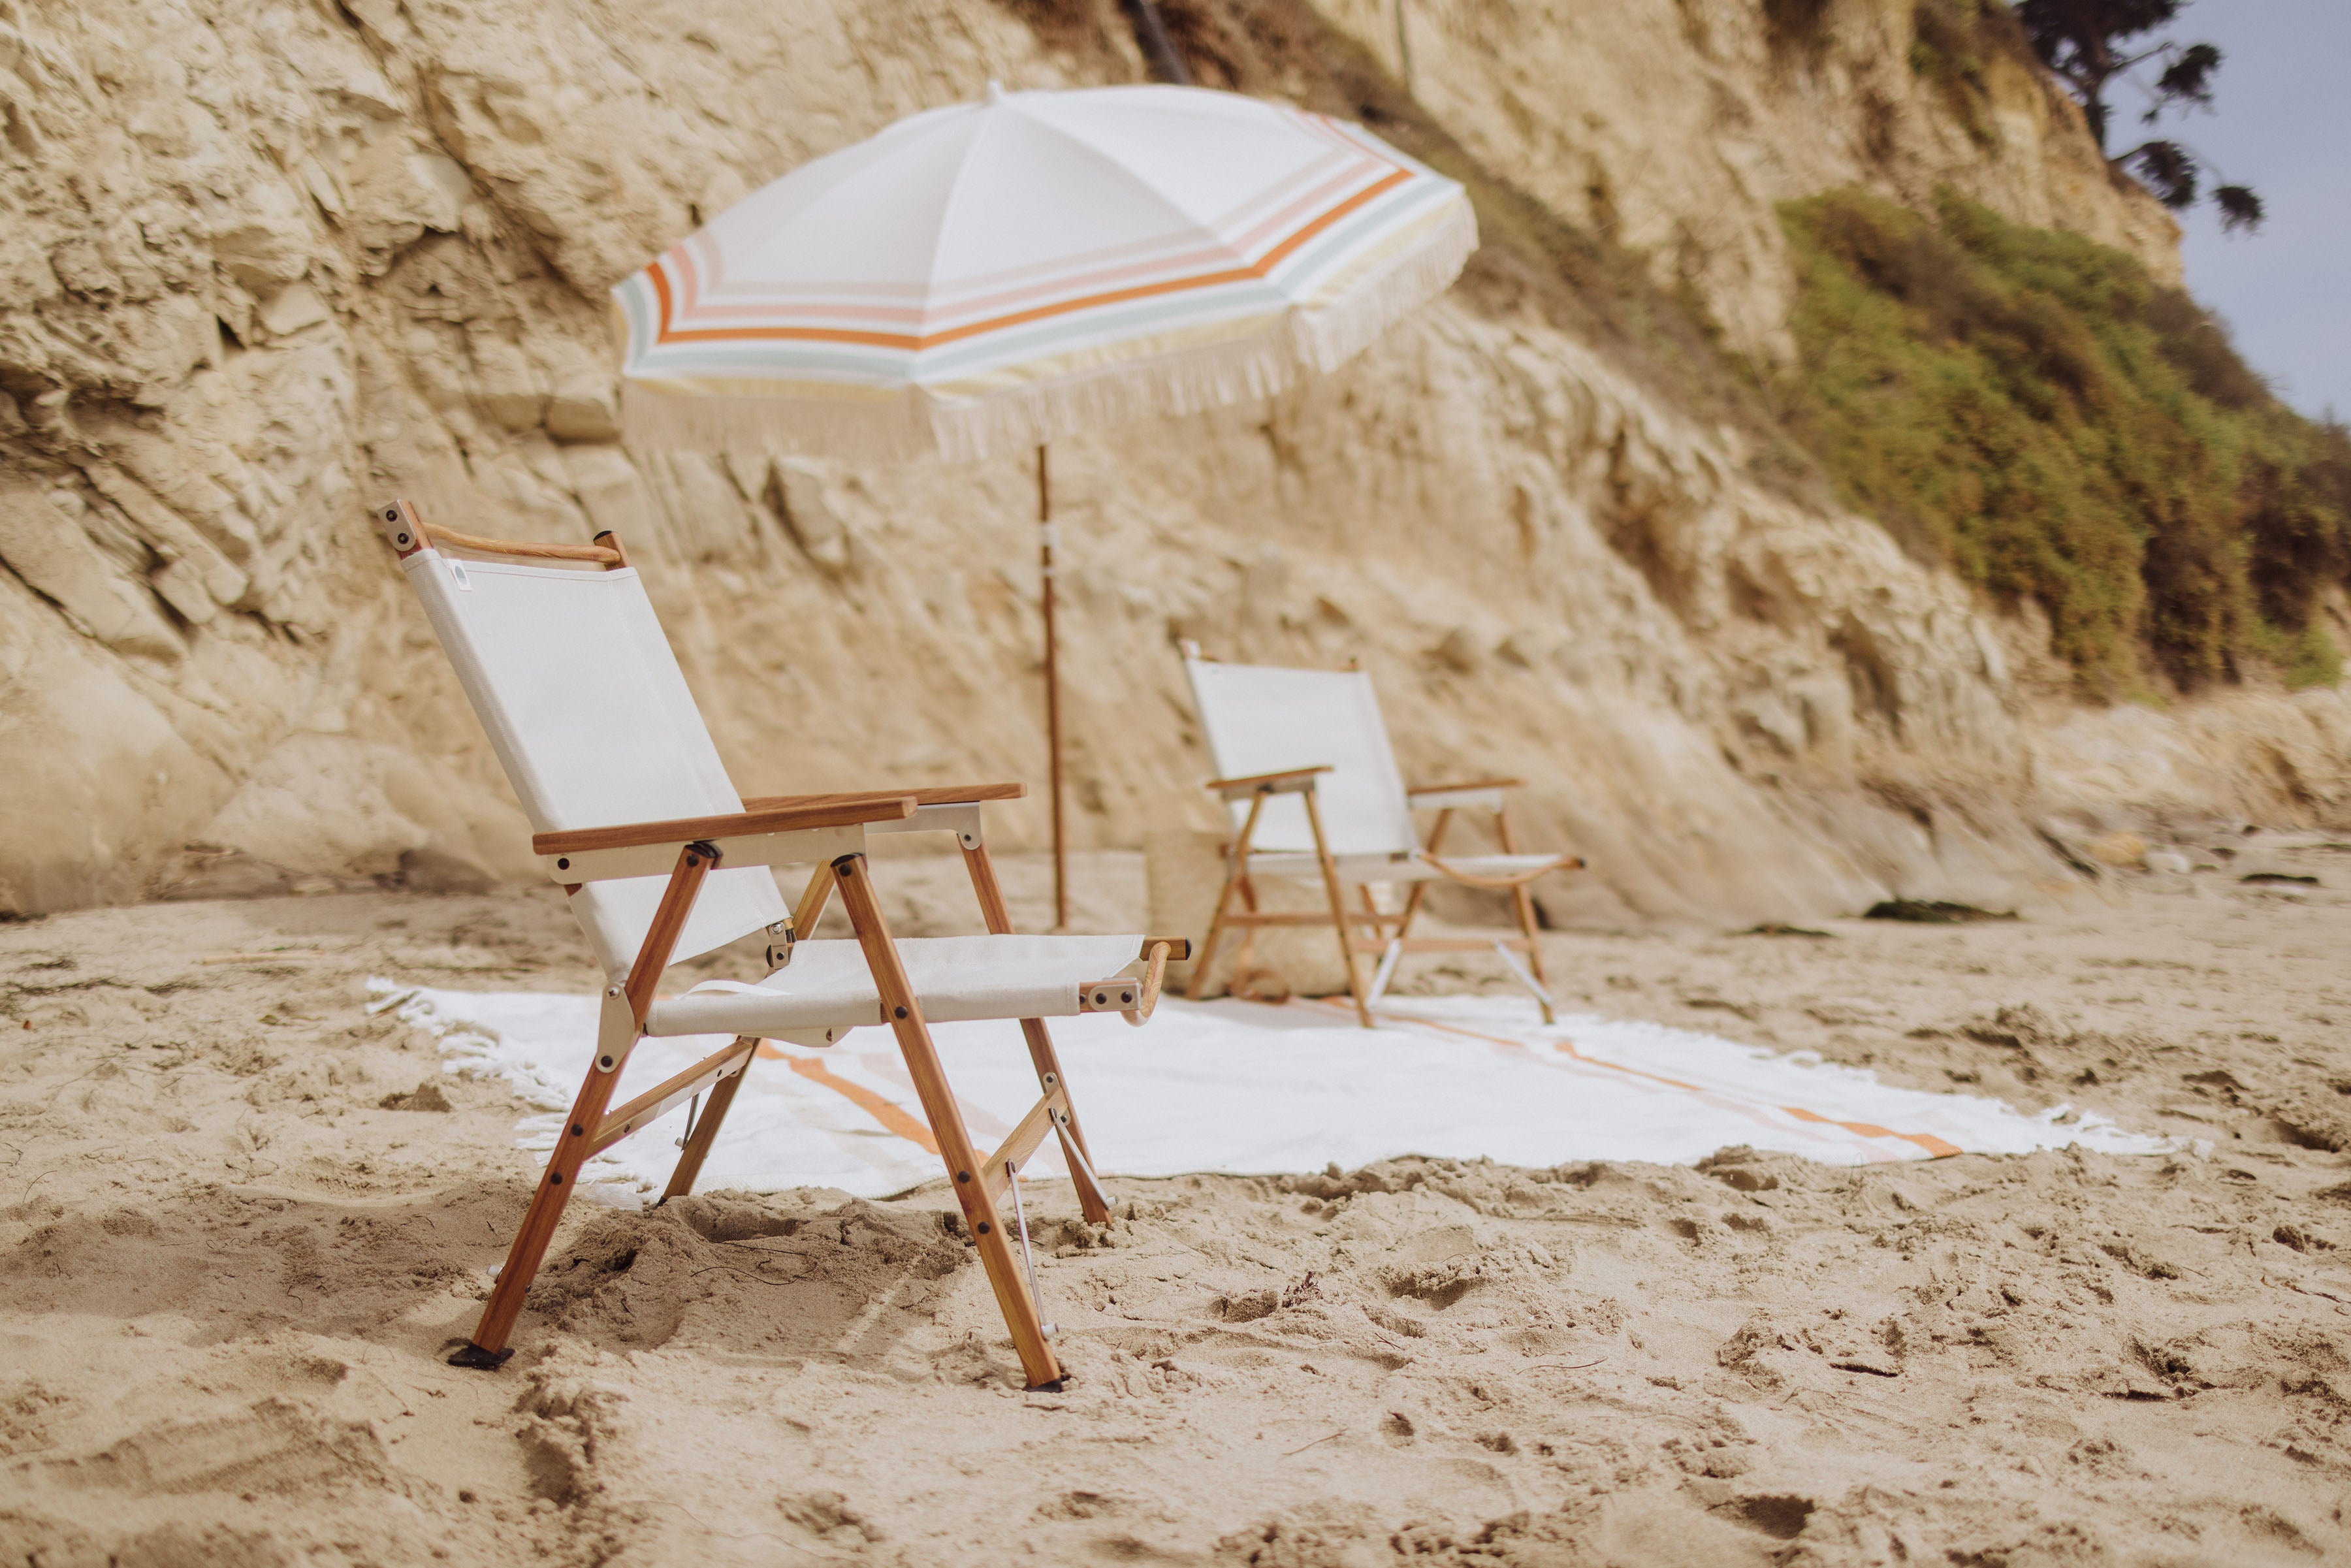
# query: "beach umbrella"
[[985, 278]]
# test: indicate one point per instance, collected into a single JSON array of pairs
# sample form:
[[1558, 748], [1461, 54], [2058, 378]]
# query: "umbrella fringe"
[[900, 426], [1373, 303]]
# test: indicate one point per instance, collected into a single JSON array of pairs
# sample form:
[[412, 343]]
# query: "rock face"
[[1675, 126], [264, 262]]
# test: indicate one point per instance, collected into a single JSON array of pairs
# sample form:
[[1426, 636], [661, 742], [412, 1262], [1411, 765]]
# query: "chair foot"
[[1055, 1386], [473, 1355]]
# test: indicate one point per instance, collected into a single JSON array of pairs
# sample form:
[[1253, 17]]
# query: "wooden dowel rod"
[[929, 795], [657, 1100], [603, 554], [1022, 1143]]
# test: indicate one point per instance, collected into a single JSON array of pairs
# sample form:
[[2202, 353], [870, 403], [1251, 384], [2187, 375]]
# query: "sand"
[[238, 1218]]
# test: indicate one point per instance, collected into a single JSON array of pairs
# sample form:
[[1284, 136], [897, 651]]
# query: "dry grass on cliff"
[[2030, 407], [1531, 259], [2023, 404]]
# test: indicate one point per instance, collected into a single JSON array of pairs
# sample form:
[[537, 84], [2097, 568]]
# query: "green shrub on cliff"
[[2033, 408]]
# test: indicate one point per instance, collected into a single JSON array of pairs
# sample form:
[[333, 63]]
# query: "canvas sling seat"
[[1311, 780], [565, 664], [956, 978]]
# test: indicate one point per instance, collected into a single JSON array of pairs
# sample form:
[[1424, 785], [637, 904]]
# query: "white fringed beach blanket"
[[1241, 1087]]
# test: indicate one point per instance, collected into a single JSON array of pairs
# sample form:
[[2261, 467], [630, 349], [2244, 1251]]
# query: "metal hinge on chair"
[[961, 818], [616, 1030], [781, 940]]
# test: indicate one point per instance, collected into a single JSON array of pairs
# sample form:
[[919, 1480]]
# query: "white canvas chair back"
[[570, 672], [1262, 718]]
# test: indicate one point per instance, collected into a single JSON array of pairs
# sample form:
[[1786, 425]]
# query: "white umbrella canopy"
[[986, 277]]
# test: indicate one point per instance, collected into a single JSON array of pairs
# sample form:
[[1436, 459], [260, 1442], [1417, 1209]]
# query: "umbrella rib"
[[1139, 182], [946, 221]]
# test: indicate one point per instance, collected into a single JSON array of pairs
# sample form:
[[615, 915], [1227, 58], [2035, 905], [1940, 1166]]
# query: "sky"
[[2281, 124]]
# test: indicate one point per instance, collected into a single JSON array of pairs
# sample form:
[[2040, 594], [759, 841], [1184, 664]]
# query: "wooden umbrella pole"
[[1053, 696]]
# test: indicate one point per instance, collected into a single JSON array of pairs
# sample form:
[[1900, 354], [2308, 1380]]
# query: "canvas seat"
[[956, 978], [1307, 774], [565, 664]]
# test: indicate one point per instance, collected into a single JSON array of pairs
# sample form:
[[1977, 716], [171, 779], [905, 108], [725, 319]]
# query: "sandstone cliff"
[[265, 261]]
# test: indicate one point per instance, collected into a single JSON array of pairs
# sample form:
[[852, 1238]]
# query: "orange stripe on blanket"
[[865, 1100], [1935, 1147], [1927, 1141]]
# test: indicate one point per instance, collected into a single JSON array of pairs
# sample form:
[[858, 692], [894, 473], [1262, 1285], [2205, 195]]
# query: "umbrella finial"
[[995, 92]]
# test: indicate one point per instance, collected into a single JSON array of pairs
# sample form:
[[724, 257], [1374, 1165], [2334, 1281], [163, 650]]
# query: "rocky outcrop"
[[1675, 127], [263, 262]]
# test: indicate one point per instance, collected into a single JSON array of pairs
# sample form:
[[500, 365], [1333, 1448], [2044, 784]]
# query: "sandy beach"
[[1782, 448], [240, 1218]]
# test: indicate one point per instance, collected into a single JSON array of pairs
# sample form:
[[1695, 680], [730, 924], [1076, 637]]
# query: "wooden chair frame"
[[1384, 945], [1390, 934], [828, 829]]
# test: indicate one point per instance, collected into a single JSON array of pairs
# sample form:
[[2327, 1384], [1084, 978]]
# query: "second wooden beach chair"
[[1307, 771], [565, 664]]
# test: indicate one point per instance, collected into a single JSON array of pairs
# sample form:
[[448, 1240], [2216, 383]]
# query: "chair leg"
[[488, 1345], [1420, 889], [1356, 986], [1411, 909], [811, 905], [1198, 986], [705, 1131], [1524, 901], [1245, 970], [1233, 877], [903, 1013], [1049, 1075]]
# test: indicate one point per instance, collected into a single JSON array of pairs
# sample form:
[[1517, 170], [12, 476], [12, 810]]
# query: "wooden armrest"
[[1270, 783], [405, 526], [840, 812], [1464, 789], [936, 795], [527, 548]]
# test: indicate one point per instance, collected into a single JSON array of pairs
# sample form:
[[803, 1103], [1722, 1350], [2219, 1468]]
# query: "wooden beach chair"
[[565, 664], [1312, 782]]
